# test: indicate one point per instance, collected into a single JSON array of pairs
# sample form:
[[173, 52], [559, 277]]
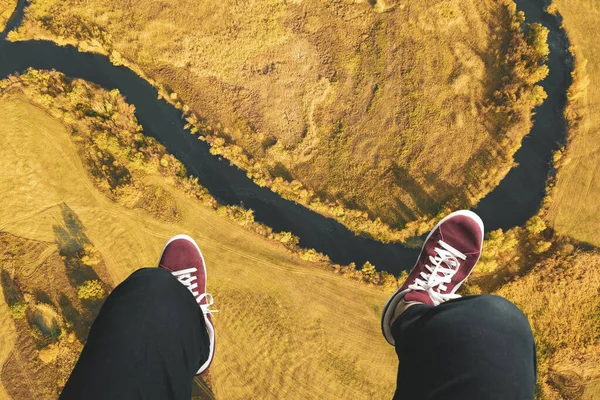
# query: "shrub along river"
[[515, 200]]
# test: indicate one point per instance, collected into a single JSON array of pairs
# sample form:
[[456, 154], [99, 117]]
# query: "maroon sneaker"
[[182, 257], [447, 258]]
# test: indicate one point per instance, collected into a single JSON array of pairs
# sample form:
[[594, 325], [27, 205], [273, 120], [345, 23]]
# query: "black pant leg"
[[471, 348], [147, 342]]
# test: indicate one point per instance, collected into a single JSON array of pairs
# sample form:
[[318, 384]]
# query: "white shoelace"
[[449, 256], [185, 276]]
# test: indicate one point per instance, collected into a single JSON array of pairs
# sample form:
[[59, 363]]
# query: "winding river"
[[519, 195], [514, 201]]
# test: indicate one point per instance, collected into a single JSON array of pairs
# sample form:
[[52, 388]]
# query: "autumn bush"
[[91, 290], [17, 310], [560, 298]]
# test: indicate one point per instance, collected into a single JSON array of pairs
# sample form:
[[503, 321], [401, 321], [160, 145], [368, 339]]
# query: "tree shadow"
[[92, 308], [201, 389], [10, 288], [76, 321], [427, 203], [81, 273], [71, 241], [71, 238], [42, 297]]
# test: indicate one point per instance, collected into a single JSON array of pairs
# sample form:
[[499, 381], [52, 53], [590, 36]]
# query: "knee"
[[150, 273], [498, 303], [498, 308], [150, 278], [152, 282]]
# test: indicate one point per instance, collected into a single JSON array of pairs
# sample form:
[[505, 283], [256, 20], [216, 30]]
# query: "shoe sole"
[[209, 325], [398, 295]]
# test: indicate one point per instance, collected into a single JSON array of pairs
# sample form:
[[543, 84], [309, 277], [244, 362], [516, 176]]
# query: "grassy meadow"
[[575, 210], [320, 95], [315, 334], [345, 107], [6, 9], [77, 220], [555, 281], [560, 297]]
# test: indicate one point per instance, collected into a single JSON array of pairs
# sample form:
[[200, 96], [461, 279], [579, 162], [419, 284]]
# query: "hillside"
[[344, 107], [300, 311]]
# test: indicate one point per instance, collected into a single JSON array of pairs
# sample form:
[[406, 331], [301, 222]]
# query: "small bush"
[[313, 256], [541, 247], [535, 225], [17, 310], [91, 290], [368, 269], [402, 277], [91, 256], [287, 238]]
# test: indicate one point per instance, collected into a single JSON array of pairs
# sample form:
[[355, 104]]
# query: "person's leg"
[[147, 342], [449, 347], [471, 348]]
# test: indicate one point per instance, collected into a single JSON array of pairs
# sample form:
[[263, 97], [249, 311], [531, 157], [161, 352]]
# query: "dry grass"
[[375, 108], [560, 298], [119, 158], [575, 210], [315, 335], [6, 9], [8, 337], [48, 340], [568, 321]]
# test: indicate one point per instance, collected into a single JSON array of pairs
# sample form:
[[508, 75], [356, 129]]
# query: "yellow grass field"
[[357, 101], [6, 9], [575, 209], [286, 329], [560, 298]]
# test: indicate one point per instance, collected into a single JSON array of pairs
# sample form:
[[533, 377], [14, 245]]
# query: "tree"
[[537, 38], [535, 225], [368, 269], [17, 310], [91, 290], [541, 247]]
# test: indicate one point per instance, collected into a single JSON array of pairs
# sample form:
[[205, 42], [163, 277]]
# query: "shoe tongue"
[[462, 234], [418, 295]]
